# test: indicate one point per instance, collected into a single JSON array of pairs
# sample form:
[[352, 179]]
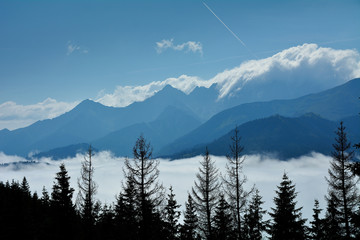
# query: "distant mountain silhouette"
[[280, 137], [171, 124], [333, 104], [170, 120], [65, 152]]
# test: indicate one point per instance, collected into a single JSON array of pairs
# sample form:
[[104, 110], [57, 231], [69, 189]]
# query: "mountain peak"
[[88, 104]]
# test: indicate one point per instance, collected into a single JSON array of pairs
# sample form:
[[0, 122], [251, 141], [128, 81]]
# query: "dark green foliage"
[[287, 222], [317, 227], [255, 226], [223, 221], [342, 183], [190, 225]]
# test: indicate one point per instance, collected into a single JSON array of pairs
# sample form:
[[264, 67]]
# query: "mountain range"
[[178, 124]]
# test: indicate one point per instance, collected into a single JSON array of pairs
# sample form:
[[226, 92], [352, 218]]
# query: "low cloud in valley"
[[307, 172]]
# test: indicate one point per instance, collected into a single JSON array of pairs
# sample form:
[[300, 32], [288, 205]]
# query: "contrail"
[[228, 28]]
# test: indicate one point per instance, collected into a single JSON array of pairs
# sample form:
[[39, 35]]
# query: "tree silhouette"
[[189, 228], [127, 212], [341, 180], [286, 218], [144, 173], [172, 216], [223, 222], [235, 180], [255, 226], [205, 194], [86, 195], [62, 206], [317, 228]]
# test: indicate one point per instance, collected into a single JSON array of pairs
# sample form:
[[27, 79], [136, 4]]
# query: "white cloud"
[[305, 66], [13, 115], [308, 173], [71, 48], [124, 96], [189, 46], [327, 66]]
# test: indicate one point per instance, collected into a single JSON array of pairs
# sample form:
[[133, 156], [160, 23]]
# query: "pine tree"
[[86, 195], [342, 184], [172, 216], [205, 194], [190, 225], [235, 181], [223, 222], [317, 228], [286, 218], [144, 173], [255, 226]]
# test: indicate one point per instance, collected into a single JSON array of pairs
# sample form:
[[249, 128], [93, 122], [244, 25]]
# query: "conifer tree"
[[317, 228], [86, 195], [127, 212], [223, 222], [45, 198], [287, 222], [172, 216], [205, 194], [235, 180], [25, 188], [190, 225], [342, 183], [333, 231], [144, 173], [255, 226], [62, 206]]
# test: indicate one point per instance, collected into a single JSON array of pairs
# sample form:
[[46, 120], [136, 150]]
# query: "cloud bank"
[[14, 115], [299, 66], [308, 173], [189, 46]]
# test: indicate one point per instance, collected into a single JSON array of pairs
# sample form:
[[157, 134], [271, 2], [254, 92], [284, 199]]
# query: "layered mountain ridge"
[[175, 122]]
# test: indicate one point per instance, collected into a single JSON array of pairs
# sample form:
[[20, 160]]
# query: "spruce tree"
[[255, 226], [25, 187], [287, 222], [190, 225], [235, 180], [62, 206], [172, 216], [205, 194], [342, 182], [333, 230], [127, 212], [317, 227], [223, 222]]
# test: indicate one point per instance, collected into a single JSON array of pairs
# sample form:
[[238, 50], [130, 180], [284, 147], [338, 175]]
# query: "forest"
[[218, 206]]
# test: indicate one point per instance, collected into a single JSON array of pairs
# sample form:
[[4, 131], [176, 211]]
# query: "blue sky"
[[73, 50]]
